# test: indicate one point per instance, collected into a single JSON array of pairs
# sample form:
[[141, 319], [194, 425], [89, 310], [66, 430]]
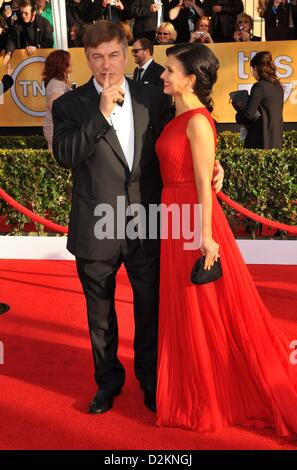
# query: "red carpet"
[[47, 377]]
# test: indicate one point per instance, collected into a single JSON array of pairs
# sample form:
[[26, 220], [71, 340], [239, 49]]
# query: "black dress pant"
[[98, 279]]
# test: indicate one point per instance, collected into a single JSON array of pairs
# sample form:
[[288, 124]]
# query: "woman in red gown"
[[222, 361]]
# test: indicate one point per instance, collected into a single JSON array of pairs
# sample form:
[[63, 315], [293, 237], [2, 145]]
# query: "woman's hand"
[[218, 177], [210, 249]]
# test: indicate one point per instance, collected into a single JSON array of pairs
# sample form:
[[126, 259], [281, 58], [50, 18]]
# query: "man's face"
[[139, 53], [27, 14], [41, 3], [108, 57]]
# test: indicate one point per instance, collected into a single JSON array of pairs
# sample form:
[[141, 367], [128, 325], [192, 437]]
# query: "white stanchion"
[[60, 23]]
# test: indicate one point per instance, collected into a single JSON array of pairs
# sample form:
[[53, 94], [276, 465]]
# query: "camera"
[[113, 3], [200, 33]]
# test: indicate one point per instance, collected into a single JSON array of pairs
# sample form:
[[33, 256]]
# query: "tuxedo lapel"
[[91, 99], [141, 120]]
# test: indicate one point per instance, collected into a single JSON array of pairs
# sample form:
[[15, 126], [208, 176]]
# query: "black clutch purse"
[[203, 276], [239, 99]]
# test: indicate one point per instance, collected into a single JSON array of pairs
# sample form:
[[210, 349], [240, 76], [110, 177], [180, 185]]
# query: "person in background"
[[223, 17], [280, 19], [5, 84], [44, 9], [31, 32], [145, 14], [148, 71], [202, 30], [8, 13], [128, 31], [267, 97], [243, 29], [112, 10], [184, 14], [57, 68], [166, 34], [3, 33], [75, 35]]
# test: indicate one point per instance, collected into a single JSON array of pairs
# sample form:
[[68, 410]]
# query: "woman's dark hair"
[[55, 66], [197, 59], [264, 65]]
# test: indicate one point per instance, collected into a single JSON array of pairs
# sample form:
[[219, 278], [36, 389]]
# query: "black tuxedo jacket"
[[84, 141], [151, 75]]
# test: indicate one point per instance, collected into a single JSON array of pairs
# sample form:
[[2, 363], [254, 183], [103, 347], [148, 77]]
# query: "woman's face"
[[203, 26], [164, 36], [69, 68], [174, 77], [244, 25], [255, 73]]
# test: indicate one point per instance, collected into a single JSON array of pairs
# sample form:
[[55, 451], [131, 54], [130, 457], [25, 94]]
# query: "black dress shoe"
[[149, 397], [4, 308], [103, 401]]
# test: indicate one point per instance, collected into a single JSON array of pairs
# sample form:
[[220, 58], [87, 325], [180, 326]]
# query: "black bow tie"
[[120, 102]]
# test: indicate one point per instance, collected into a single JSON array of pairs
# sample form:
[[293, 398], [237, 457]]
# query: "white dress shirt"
[[122, 121]]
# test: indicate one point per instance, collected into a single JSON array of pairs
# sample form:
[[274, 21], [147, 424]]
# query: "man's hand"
[[119, 5], [218, 176], [110, 95], [245, 36], [9, 70], [154, 7], [30, 50], [7, 58]]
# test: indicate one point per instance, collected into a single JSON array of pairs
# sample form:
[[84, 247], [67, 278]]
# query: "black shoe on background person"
[[103, 401], [4, 308]]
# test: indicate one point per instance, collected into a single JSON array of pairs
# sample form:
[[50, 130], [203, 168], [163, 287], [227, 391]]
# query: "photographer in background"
[[243, 29], [112, 10], [202, 31], [280, 19], [183, 14], [223, 17]]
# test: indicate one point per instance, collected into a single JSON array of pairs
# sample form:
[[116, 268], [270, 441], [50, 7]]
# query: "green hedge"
[[23, 142], [230, 140], [263, 181], [35, 180], [226, 140]]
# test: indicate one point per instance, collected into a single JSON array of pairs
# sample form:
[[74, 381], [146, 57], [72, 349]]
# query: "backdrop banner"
[[24, 103]]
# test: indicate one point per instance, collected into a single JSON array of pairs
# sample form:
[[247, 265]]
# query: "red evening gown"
[[221, 359]]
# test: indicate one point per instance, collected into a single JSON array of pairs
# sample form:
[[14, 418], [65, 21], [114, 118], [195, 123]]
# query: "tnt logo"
[[28, 91], [1, 353]]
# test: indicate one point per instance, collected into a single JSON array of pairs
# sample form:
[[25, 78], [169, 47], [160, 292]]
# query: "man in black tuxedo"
[[148, 71], [111, 150]]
